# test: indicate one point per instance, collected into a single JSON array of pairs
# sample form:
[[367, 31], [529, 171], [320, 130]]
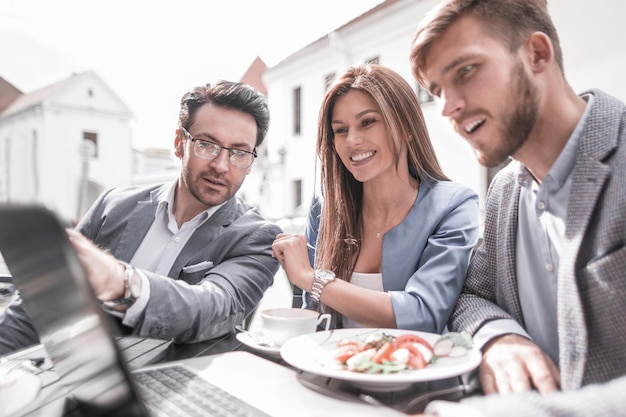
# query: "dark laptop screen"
[[76, 333]]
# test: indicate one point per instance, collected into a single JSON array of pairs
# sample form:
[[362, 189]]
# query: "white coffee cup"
[[282, 324]]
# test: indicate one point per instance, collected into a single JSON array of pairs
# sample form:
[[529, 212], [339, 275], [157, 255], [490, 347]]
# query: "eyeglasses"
[[208, 150]]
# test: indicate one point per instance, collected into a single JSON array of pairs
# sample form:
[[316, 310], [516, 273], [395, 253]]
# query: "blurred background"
[[89, 92]]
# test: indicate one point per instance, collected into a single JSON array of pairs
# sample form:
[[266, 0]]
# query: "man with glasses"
[[187, 260]]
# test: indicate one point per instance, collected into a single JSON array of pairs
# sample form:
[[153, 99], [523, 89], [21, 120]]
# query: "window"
[[35, 162], [297, 110], [328, 80], [5, 165], [91, 137], [423, 95], [297, 193]]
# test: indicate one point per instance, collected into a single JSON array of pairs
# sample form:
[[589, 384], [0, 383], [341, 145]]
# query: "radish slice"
[[457, 351], [443, 347]]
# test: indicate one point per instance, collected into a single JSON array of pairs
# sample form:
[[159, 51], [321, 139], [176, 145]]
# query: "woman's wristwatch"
[[320, 279]]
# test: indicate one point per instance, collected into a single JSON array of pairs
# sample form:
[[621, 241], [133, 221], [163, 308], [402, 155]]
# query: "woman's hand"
[[291, 252]]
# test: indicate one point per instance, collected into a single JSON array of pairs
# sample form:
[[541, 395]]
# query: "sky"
[[151, 52]]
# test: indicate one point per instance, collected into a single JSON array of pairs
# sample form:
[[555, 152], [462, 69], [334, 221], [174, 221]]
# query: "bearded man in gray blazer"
[[187, 260], [544, 294]]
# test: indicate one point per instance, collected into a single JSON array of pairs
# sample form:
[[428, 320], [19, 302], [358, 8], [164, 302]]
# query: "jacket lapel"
[[598, 140], [507, 235], [138, 224], [209, 231]]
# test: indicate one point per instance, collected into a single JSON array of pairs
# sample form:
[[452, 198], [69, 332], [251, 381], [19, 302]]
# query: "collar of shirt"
[[164, 197], [564, 164], [165, 207]]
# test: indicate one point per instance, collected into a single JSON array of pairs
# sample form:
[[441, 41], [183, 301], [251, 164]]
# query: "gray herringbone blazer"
[[592, 272]]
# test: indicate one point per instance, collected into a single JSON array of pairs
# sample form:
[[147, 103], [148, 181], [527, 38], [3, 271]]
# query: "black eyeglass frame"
[[231, 151]]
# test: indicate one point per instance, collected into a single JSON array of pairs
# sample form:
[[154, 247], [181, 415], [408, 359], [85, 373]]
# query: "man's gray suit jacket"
[[592, 272], [216, 281], [227, 263]]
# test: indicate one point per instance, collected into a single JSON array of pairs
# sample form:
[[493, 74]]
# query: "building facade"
[[62, 145], [591, 35]]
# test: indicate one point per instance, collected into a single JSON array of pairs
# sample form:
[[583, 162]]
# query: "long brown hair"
[[340, 233]]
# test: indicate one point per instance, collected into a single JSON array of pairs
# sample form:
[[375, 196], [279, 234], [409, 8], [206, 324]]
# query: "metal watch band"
[[316, 290], [320, 279], [128, 298]]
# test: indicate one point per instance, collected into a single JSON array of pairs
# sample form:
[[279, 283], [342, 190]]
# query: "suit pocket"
[[608, 269], [192, 274]]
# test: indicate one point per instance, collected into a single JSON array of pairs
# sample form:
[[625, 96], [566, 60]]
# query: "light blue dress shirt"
[[540, 231]]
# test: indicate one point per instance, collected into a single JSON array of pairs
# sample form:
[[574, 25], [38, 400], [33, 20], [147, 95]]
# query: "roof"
[[366, 14], [8, 94], [24, 101], [252, 75], [383, 5]]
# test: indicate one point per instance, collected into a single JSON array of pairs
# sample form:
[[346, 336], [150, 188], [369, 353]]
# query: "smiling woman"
[[389, 226]]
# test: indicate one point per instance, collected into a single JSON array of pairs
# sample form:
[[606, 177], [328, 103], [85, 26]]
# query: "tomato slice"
[[345, 352], [384, 353], [407, 339], [416, 360]]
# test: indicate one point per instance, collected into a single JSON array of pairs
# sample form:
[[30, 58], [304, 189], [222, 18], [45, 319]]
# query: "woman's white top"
[[369, 281]]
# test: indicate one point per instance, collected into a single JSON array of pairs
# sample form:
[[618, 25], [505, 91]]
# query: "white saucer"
[[18, 389], [249, 341]]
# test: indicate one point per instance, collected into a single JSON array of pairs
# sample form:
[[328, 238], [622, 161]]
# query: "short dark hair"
[[233, 95], [511, 20]]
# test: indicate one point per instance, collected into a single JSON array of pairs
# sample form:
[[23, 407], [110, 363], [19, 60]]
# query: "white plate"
[[311, 353], [18, 389], [249, 341]]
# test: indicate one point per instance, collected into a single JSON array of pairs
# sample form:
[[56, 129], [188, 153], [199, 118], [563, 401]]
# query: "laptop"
[[80, 340]]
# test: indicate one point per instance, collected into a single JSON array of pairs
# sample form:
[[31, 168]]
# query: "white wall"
[[593, 39], [386, 36], [592, 36], [50, 171]]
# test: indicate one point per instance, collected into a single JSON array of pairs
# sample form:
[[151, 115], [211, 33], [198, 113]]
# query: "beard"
[[194, 183], [518, 123]]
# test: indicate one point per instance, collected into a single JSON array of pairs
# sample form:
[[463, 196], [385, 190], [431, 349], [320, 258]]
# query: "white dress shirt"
[[161, 246]]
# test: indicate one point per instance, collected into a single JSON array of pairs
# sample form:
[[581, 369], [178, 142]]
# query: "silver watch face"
[[135, 284], [325, 275]]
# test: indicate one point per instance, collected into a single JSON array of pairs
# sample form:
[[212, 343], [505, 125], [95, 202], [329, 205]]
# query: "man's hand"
[[512, 363], [104, 272]]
